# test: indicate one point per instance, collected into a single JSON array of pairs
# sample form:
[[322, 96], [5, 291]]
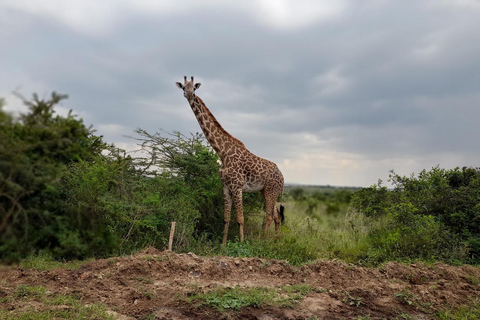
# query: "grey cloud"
[[377, 80]]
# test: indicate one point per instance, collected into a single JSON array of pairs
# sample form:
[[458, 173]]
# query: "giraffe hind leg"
[[269, 211], [237, 198]]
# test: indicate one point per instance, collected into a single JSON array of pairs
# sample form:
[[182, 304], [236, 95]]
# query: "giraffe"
[[241, 170]]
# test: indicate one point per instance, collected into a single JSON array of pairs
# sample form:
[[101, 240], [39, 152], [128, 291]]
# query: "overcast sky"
[[335, 92]]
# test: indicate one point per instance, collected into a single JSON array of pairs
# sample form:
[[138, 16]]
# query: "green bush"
[[34, 152], [406, 235], [195, 166], [437, 211], [67, 194]]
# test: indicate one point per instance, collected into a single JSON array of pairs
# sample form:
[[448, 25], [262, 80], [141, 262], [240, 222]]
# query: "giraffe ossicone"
[[241, 170]]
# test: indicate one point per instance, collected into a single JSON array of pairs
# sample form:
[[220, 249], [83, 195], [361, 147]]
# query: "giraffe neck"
[[217, 136]]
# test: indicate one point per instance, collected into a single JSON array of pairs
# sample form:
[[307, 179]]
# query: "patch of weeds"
[[319, 290], [289, 248], [148, 294], [62, 299], [292, 295], [164, 257], [382, 269], [52, 306], [24, 291], [150, 316], [406, 298], [144, 280], [150, 258], [352, 301], [222, 299], [47, 262], [112, 261], [239, 249], [466, 312], [473, 280], [5, 300], [302, 289], [404, 316], [234, 298], [351, 267]]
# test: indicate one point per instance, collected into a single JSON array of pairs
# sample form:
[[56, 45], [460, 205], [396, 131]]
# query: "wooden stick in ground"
[[170, 241]]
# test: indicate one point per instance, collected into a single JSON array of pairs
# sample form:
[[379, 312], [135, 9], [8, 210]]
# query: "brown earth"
[[342, 291]]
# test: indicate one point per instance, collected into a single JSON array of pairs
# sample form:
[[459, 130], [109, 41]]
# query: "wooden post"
[[170, 241]]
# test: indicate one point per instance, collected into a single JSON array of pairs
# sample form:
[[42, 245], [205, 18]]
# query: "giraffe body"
[[241, 170]]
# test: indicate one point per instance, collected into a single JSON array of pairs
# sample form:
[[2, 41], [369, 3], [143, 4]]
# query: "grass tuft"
[[47, 262], [222, 299], [52, 306]]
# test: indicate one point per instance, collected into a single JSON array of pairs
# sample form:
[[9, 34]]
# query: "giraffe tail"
[[282, 214]]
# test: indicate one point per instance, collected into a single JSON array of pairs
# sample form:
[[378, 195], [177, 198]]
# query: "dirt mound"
[[154, 284]]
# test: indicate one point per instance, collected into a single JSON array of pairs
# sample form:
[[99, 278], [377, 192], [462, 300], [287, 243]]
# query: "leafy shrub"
[[35, 150], [438, 211], [406, 235], [67, 194], [194, 165]]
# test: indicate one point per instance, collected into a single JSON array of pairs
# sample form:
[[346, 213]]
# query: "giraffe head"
[[188, 88]]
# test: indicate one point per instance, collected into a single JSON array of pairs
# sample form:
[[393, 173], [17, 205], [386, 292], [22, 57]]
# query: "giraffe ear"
[[197, 85], [179, 85]]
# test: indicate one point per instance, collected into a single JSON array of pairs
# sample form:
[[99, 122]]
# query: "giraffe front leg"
[[227, 211], [237, 198]]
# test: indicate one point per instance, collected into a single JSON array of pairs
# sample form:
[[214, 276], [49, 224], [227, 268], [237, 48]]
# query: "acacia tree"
[[195, 164]]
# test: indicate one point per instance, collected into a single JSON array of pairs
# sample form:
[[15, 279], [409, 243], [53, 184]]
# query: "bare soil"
[[154, 284]]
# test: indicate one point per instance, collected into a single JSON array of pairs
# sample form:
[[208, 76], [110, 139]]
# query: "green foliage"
[[371, 201], [470, 311], [108, 191], [289, 247], [297, 193], [44, 304], [406, 235], [194, 166], [29, 291], [65, 194], [236, 298], [44, 261], [435, 215], [35, 150]]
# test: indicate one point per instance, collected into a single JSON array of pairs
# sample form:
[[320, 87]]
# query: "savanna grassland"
[[84, 225]]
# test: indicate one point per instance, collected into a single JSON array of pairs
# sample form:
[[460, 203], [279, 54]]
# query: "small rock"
[[195, 274], [191, 254], [250, 267]]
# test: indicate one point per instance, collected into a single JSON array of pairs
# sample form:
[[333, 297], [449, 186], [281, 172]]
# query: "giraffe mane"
[[217, 124]]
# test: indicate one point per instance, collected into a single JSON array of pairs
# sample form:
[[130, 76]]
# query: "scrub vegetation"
[[66, 194]]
